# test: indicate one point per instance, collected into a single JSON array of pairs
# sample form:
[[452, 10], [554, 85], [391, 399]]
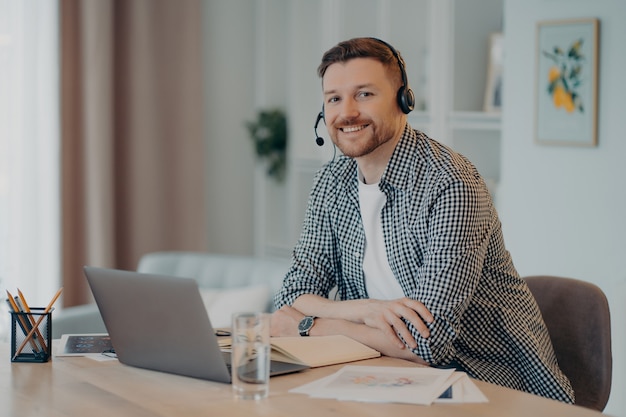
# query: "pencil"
[[23, 324], [32, 331], [26, 309]]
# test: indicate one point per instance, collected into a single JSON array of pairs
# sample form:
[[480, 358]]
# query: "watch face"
[[305, 324]]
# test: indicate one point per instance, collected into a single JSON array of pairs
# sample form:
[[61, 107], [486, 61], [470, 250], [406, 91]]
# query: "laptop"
[[160, 323]]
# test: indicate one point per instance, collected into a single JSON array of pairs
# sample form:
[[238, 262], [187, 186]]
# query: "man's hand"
[[387, 316]]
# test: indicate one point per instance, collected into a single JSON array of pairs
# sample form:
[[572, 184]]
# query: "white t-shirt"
[[380, 282]]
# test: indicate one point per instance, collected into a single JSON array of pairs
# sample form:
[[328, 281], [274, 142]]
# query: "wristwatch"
[[305, 325]]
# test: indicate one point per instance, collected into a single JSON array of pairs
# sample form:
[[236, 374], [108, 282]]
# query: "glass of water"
[[250, 360]]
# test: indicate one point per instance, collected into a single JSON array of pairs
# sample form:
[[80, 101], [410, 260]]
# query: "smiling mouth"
[[352, 129]]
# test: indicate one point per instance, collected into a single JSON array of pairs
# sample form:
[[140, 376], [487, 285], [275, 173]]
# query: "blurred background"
[[123, 130]]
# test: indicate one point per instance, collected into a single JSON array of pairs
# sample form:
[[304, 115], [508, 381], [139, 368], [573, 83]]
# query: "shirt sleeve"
[[458, 231], [314, 262]]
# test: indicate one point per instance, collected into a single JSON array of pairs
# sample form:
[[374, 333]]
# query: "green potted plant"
[[269, 136]]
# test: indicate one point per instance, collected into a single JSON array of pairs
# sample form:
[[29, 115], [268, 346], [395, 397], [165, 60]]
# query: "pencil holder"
[[31, 336]]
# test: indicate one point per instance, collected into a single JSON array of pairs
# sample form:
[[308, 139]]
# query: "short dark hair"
[[362, 48]]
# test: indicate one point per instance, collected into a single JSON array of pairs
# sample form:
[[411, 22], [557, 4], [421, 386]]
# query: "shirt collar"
[[399, 170], [401, 167]]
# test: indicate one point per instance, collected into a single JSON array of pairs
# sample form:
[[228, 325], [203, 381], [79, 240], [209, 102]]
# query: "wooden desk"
[[79, 386]]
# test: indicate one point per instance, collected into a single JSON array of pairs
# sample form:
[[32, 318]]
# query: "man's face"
[[360, 108]]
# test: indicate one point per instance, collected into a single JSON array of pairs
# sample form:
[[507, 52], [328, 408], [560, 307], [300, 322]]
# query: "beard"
[[365, 141]]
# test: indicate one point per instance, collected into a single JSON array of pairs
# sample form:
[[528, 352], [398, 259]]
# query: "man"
[[406, 230]]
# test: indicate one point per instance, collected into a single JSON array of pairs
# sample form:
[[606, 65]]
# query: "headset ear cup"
[[406, 100]]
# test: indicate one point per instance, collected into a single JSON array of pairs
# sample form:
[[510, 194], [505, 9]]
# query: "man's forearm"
[[369, 336], [386, 341], [314, 305]]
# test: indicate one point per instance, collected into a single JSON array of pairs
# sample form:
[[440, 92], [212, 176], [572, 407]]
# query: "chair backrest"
[[577, 316]]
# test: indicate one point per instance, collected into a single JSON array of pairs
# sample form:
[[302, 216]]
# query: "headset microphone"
[[318, 139]]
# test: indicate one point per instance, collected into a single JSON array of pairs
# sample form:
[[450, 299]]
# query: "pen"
[[32, 331]]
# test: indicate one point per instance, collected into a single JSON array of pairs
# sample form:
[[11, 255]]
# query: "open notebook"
[[317, 351]]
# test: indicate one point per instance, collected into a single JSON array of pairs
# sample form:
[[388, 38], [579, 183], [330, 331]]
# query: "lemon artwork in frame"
[[566, 82]]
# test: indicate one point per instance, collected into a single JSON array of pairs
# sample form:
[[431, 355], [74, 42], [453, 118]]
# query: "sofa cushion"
[[222, 303], [219, 271]]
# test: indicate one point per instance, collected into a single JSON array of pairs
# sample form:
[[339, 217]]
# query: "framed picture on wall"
[[566, 83], [493, 87]]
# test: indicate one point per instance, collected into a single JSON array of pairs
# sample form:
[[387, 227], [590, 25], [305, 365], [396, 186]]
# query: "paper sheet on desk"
[[85, 344], [394, 384]]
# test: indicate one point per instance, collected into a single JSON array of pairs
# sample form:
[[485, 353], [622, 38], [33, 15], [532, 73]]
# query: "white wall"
[[229, 58], [563, 209]]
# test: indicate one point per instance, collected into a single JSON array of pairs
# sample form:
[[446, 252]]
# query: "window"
[[29, 151]]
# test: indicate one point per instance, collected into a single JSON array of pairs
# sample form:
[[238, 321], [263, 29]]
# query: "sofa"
[[228, 283]]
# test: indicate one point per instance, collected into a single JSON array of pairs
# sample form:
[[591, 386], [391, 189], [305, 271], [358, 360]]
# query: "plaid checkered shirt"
[[445, 247]]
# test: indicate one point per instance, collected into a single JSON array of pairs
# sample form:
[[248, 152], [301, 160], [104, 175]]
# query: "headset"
[[318, 139], [405, 96]]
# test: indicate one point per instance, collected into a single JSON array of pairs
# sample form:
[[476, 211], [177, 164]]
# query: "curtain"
[[132, 140]]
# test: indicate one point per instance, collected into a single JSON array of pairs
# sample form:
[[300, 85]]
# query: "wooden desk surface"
[[76, 386]]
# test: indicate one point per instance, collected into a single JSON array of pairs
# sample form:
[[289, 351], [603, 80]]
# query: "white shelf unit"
[[445, 44]]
